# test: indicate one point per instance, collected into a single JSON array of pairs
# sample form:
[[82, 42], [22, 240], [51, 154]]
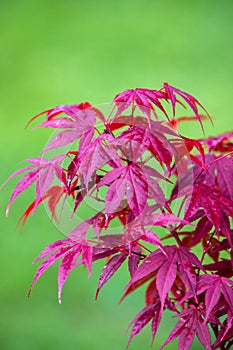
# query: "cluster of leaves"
[[171, 197]]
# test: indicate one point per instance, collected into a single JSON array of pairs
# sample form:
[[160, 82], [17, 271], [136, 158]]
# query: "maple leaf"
[[223, 170], [190, 144], [109, 269], [81, 123], [141, 122], [223, 268], [115, 243], [161, 219], [134, 259], [217, 174], [144, 99], [43, 175], [125, 180], [149, 313], [68, 250], [193, 103], [214, 286], [166, 268], [98, 153], [225, 333], [203, 227], [154, 141], [190, 323], [69, 110], [213, 202]]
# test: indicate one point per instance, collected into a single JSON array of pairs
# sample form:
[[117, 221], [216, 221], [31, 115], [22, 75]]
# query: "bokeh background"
[[64, 52]]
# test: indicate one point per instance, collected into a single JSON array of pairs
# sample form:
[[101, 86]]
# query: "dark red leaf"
[[203, 334], [148, 313], [149, 265], [184, 329]]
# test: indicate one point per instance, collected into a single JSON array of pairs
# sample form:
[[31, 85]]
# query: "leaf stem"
[[176, 236]]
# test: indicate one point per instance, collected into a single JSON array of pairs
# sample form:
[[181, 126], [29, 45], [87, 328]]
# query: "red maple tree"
[[168, 193]]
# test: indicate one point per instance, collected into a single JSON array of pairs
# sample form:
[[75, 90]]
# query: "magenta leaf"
[[212, 296], [190, 323], [184, 329], [22, 185], [69, 110], [153, 141], [214, 286], [43, 176], [150, 237], [136, 190], [69, 250], [148, 266], [203, 227], [212, 201], [148, 313], [143, 98], [162, 219], [109, 269], [49, 261], [97, 154], [225, 176], [125, 181], [81, 122], [134, 259], [166, 277], [189, 99], [68, 263], [203, 334], [226, 331]]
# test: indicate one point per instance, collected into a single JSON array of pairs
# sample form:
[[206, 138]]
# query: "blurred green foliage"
[[56, 52]]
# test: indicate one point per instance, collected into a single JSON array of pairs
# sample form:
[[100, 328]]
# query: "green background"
[[63, 52]]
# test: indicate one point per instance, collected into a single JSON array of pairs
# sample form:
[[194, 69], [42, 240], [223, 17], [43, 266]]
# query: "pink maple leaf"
[[43, 174]]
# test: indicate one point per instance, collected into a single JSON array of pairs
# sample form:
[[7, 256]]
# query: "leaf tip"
[[97, 294]]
